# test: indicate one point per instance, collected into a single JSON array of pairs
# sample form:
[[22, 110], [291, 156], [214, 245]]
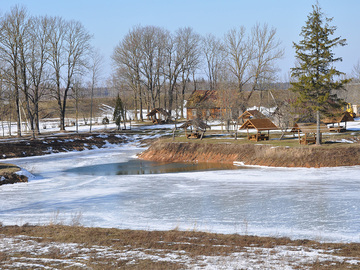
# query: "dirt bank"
[[251, 154], [24, 147]]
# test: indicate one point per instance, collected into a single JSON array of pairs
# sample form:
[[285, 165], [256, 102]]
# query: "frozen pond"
[[320, 204]]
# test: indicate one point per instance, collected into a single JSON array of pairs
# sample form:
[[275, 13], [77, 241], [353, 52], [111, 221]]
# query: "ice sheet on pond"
[[321, 204]]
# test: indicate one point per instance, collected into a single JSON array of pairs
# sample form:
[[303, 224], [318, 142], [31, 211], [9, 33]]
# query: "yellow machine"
[[349, 109]]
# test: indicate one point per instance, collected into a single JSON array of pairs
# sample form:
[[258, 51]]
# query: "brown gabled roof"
[[259, 124], [252, 114], [196, 123], [200, 96], [159, 110], [344, 117], [309, 127]]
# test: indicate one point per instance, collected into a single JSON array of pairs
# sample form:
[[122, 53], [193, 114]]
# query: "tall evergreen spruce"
[[119, 112], [316, 76]]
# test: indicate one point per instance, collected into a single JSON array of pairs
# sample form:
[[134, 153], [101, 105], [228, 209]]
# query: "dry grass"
[[151, 249], [217, 136], [6, 168]]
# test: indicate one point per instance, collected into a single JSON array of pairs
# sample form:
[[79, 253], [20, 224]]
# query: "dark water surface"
[[137, 166]]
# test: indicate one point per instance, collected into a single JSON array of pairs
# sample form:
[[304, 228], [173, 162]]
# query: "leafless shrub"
[[76, 219]]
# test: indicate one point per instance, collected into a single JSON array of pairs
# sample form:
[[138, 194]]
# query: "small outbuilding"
[[261, 126], [198, 128]]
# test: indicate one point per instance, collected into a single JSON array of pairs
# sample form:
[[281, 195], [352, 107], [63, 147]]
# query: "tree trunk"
[[141, 105], [17, 101], [91, 106], [318, 134]]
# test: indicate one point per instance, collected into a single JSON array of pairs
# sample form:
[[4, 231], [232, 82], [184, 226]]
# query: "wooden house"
[[261, 126], [309, 130], [204, 104]]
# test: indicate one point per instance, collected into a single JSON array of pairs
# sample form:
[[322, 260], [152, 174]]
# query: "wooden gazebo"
[[260, 125], [159, 116], [342, 118], [309, 130], [199, 127]]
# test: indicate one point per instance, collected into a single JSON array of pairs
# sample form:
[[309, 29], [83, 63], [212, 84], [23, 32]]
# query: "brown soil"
[[23, 147], [251, 154]]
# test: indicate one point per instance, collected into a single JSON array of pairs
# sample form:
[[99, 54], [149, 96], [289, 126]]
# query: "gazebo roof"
[[158, 110], [252, 114], [344, 117], [309, 127], [259, 124], [196, 123]]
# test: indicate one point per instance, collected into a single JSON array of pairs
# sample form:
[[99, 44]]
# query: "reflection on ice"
[[137, 166], [322, 204]]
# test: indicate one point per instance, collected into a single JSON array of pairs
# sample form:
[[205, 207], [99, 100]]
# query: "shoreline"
[[11, 174], [22, 147], [253, 154]]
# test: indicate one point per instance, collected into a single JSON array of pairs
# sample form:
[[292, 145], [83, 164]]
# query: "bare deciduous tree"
[[127, 58], [356, 72], [153, 44], [95, 68], [190, 41], [240, 52], [267, 50], [38, 57], [69, 48], [13, 30], [214, 58]]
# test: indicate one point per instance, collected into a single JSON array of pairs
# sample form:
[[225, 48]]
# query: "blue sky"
[[110, 20]]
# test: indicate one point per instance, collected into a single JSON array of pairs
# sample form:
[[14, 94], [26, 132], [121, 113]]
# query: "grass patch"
[[6, 168], [102, 248], [329, 140]]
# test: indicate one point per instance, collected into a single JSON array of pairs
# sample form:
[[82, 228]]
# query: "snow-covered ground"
[[321, 204], [38, 255]]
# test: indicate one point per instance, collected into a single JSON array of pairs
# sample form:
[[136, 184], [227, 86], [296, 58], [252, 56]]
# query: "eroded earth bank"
[[254, 154]]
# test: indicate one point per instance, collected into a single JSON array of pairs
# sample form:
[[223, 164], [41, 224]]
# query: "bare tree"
[[153, 44], [150, 58], [173, 68], [190, 43], [69, 48], [38, 58], [214, 57], [267, 50], [240, 53], [356, 72], [95, 68], [127, 59], [13, 30]]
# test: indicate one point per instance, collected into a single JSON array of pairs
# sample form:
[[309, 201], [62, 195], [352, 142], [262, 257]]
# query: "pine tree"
[[315, 73], [119, 113]]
